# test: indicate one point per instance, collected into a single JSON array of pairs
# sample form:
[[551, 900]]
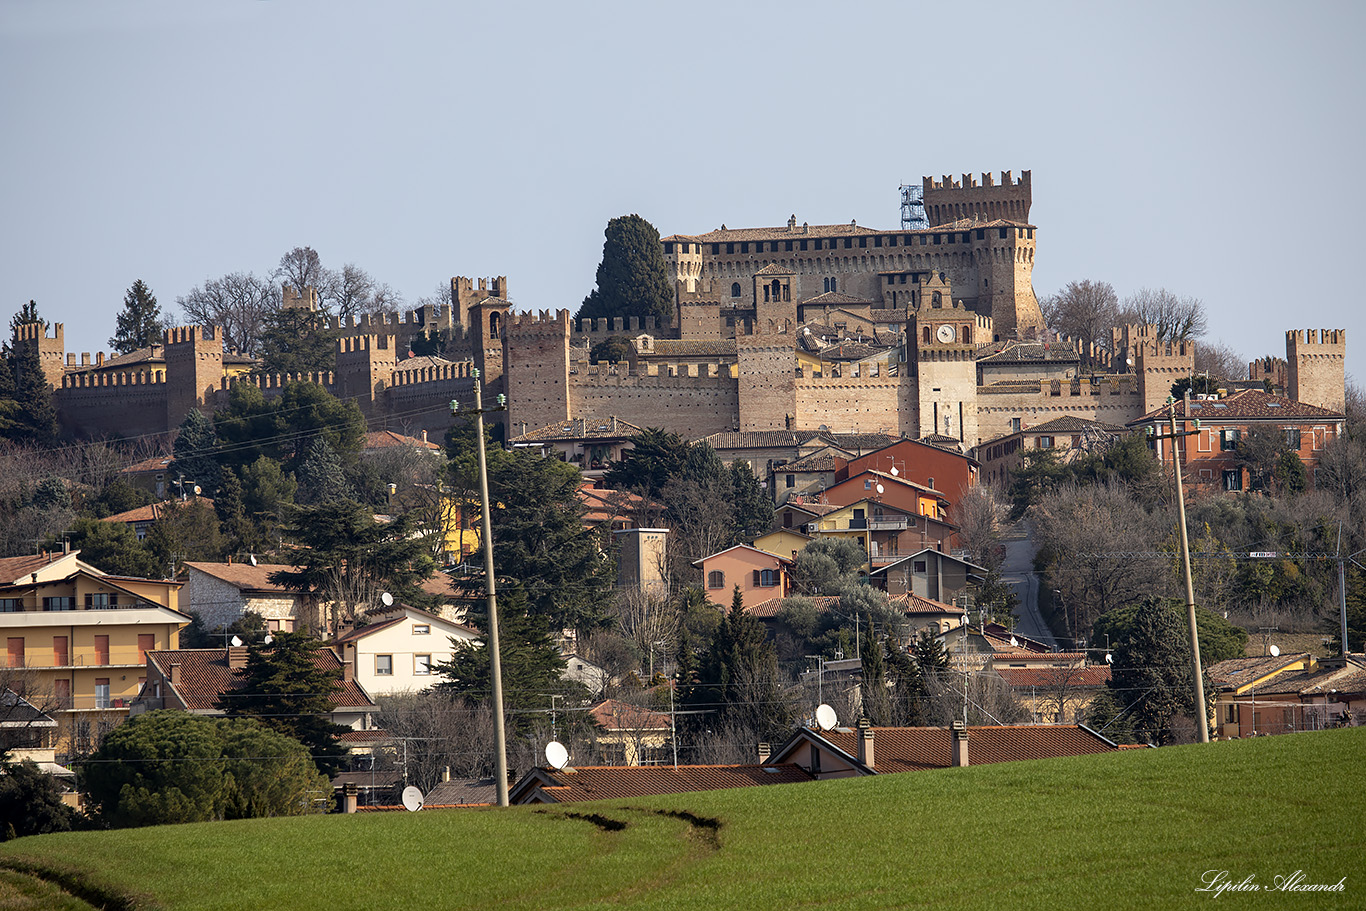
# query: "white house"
[[400, 652]]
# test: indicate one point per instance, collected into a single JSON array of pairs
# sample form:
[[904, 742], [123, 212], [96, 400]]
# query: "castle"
[[922, 333]]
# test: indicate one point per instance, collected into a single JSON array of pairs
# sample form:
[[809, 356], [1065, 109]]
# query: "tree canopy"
[[169, 767], [140, 323], [633, 279]]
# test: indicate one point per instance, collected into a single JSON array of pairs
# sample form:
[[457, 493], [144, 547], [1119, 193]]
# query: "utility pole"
[[1197, 674], [495, 660]]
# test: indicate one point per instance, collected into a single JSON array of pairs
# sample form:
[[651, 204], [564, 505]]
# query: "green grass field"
[[1131, 830]]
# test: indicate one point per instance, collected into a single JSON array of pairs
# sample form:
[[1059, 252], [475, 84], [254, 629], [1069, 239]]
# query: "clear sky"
[[1209, 148]]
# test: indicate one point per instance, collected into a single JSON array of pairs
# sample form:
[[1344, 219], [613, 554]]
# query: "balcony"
[[887, 523], [38, 659]]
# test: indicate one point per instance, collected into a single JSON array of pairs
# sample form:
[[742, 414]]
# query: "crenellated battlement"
[[583, 368], [274, 382], [412, 376], [192, 335], [102, 379], [1323, 338], [37, 332], [1316, 367], [542, 323], [969, 182]]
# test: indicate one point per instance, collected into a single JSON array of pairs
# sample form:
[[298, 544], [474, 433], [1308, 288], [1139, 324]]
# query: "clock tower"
[[944, 337]]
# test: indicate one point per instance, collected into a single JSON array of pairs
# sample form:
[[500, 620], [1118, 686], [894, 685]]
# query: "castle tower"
[[486, 322], [536, 365], [194, 370], [365, 367], [775, 304], [944, 342], [1158, 363], [465, 295], [1316, 366], [292, 300], [950, 200], [767, 366], [51, 349]]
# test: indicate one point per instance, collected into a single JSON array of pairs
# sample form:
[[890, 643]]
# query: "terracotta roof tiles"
[[203, 676], [606, 782], [1248, 405], [915, 749]]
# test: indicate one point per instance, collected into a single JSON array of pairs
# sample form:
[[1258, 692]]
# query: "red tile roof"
[[915, 749], [910, 603], [387, 439], [17, 570], [615, 715], [244, 576], [1248, 405], [1095, 675], [204, 676], [607, 782]]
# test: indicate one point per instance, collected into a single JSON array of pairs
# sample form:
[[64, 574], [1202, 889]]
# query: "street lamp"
[[495, 660]]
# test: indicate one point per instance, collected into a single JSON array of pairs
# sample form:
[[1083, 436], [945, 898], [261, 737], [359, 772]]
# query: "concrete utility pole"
[[1197, 673], [500, 755]]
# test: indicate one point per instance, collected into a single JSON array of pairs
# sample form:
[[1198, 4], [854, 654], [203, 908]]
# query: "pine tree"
[[285, 688], [321, 476], [753, 508], [633, 279], [1151, 675], [195, 446], [36, 415], [140, 325]]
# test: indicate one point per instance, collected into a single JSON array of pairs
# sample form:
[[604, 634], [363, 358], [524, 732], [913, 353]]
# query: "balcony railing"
[[887, 523], [129, 656]]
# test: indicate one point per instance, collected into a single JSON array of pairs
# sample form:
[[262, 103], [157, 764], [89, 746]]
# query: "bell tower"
[[944, 340]]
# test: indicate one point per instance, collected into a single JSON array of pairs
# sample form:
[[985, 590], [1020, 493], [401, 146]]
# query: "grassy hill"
[[1131, 830]]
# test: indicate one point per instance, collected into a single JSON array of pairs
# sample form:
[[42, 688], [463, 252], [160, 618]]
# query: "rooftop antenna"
[[913, 208], [412, 798], [556, 754]]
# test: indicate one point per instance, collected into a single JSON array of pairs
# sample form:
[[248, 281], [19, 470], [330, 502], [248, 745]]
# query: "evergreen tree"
[[321, 477], [114, 548], [738, 681], [753, 508], [655, 458], [195, 447], [285, 688], [140, 325], [633, 279], [1151, 674], [877, 696], [35, 418], [31, 802], [297, 341], [531, 664], [242, 534]]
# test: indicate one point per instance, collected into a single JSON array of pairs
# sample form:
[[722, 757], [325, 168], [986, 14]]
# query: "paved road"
[[1018, 572]]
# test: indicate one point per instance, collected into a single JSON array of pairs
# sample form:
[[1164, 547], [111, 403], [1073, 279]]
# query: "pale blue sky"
[[1211, 148]]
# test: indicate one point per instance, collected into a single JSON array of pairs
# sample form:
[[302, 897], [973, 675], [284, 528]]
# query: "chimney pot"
[[237, 657], [865, 743], [765, 751]]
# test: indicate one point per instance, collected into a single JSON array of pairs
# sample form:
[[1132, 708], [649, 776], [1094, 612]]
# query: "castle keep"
[[923, 333]]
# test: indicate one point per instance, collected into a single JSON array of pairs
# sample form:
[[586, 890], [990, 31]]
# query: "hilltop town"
[[797, 490]]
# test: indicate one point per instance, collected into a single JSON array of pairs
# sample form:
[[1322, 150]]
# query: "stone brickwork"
[[767, 382], [879, 403], [1316, 367], [51, 348], [536, 367]]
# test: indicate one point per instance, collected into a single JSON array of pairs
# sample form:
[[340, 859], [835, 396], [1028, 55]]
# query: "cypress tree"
[[633, 279]]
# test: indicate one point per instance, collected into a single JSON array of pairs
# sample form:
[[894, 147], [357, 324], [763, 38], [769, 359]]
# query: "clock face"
[[946, 333]]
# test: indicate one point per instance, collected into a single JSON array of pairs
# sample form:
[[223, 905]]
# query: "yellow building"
[[76, 639]]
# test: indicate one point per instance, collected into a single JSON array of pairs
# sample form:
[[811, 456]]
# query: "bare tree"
[[352, 291], [979, 514], [302, 268], [1220, 362], [1176, 318], [433, 732], [1084, 310], [237, 303]]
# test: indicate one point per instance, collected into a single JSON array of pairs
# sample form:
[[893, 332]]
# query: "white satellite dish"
[[386, 599], [235, 642], [1109, 658], [1275, 651], [1014, 641], [556, 754], [895, 473], [198, 490], [879, 488], [269, 639], [252, 558], [412, 798], [825, 717]]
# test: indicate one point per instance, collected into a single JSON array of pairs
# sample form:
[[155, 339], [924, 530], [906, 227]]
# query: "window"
[[101, 692], [384, 665], [787, 246], [1292, 437], [146, 643], [803, 245], [730, 248], [791, 480], [422, 629], [735, 289], [920, 566], [422, 665], [765, 578], [815, 760], [863, 241], [868, 484], [716, 579], [668, 247], [715, 249], [15, 652], [101, 649], [59, 603], [11, 605], [848, 243], [101, 600], [1228, 441], [61, 653], [1233, 479]]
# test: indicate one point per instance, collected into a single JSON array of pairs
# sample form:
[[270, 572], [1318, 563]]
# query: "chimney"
[[424, 436], [960, 744], [348, 671], [174, 673], [865, 742], [765, 750], [350, 797], [446, 774], [237, 657]]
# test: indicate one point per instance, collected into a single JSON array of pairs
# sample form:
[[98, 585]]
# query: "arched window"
[[776, 290], [495, 325], [937, 300], [967, 335], [735, 289], [927, 335], [716, 579]]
